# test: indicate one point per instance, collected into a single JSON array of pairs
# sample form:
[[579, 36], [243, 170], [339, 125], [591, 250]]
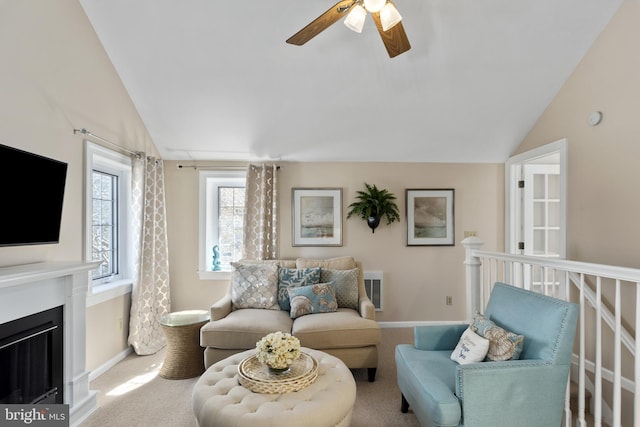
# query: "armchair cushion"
[[436, 385]]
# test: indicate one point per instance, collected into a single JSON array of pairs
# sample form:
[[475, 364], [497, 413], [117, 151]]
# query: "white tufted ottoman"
[[219, 399]]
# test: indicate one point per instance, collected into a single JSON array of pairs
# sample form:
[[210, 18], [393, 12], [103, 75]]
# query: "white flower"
[[278, 350]]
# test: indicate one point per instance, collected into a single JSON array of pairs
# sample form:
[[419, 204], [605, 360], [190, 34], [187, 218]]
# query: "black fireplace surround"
[[31, 359]]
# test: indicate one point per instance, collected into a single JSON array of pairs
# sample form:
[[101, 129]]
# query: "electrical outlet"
[[449, 300], [120, 323], [470, 234]]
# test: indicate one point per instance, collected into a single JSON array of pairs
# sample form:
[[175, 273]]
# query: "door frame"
[[513, 210]]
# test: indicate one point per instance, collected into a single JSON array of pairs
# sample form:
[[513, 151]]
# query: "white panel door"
[[541, 210]]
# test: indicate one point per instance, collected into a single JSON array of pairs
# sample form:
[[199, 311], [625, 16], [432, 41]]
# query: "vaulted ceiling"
[[215, 80]]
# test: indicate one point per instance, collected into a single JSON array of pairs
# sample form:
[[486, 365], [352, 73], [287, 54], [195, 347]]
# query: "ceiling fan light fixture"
[[389, 16], [355, 19], [374, 6]]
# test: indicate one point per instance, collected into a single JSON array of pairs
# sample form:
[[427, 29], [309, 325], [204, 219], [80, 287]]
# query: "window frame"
[[208, 183], [105, 160]]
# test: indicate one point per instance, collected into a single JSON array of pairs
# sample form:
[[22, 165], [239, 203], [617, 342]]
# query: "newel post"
[[472, 267]]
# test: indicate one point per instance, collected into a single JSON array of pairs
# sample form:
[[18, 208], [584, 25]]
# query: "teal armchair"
[[525, 392]]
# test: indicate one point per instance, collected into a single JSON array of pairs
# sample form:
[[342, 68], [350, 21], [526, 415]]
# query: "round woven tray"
[[256, 376]]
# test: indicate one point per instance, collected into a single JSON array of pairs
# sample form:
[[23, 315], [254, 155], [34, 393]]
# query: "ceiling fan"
[[385, 16]]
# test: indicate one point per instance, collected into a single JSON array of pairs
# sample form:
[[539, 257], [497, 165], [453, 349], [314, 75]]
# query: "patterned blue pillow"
[[503, 344], [319, 298], [346, 282], [293, 278]]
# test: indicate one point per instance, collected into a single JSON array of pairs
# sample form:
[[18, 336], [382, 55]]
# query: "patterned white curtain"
[[261, 216], [150, 299]]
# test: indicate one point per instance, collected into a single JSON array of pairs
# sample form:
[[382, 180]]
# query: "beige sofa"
[[348, 334]]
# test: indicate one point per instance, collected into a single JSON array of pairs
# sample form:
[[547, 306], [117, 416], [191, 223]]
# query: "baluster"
[[636, 405], [597, 414], [617, 381], [581, 363]]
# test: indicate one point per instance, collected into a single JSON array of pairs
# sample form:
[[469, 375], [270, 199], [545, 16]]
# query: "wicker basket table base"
[[184, 358]]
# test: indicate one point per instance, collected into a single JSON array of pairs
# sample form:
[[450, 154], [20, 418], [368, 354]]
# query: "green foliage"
[[374, 203]]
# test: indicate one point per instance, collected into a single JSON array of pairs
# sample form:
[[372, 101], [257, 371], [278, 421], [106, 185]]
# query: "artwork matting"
[[316, 216], [430, 217]]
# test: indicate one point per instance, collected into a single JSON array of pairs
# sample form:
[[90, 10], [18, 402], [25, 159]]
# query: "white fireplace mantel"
[[32, 288]]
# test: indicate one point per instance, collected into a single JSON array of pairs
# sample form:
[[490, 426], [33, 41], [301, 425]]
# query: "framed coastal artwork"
[[317, 216], [430, 219]]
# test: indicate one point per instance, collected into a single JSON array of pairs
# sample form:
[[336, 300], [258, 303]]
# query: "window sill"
[[214, 275], [101, 293]]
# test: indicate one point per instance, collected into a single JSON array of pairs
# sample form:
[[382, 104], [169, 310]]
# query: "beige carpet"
[[132, 394]]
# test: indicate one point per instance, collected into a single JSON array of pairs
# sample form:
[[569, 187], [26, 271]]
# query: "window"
[[104, 224], [221, 220], [107, 219]]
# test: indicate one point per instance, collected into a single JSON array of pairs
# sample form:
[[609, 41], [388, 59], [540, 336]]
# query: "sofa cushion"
[[293, 278], [471, 348], [318, 298], [341, 263], [254, 286], [242, 329], [346, 284], [341, 329], [503, 345]]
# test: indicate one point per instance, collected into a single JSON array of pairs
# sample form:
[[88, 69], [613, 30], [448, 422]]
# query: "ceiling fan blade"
[[321, 23], [394, 39]]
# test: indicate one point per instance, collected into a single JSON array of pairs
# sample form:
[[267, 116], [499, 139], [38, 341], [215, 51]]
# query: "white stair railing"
[[609, 297]]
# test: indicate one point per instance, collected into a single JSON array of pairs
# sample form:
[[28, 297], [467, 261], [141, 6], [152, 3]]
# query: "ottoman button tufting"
[[328, 401]]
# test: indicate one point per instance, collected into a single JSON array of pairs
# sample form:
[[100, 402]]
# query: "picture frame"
[[316, 216], [430, 217]]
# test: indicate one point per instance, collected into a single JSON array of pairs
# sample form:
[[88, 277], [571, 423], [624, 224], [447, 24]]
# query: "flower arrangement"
[[278, 350]]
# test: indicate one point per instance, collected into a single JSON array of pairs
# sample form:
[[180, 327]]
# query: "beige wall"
[[417, 279], [54, 77], [603, 173], [108, 330]]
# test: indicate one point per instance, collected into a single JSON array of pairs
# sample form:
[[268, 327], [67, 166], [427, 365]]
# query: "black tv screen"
[[31, 196]]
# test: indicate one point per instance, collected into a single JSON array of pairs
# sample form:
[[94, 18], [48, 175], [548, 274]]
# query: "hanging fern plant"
[[372, 204]]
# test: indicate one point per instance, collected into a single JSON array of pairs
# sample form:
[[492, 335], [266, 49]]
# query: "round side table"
[[184, 358]]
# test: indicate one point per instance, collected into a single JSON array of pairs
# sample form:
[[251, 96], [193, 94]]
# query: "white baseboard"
[[110, 363], [412, 324]]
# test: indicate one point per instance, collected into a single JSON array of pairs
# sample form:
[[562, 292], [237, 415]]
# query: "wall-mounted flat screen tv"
[[31, 196]]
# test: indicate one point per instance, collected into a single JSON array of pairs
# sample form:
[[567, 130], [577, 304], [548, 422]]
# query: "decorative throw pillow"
[[294, 278], [319, 298], [471, 348], [254, 286], [503, 345], [346, 283]]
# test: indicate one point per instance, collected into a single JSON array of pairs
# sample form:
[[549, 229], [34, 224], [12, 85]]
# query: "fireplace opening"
[[31, 359]]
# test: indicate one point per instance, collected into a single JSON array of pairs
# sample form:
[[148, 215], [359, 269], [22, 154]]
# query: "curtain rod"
[[216, 167], [83, 131]]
